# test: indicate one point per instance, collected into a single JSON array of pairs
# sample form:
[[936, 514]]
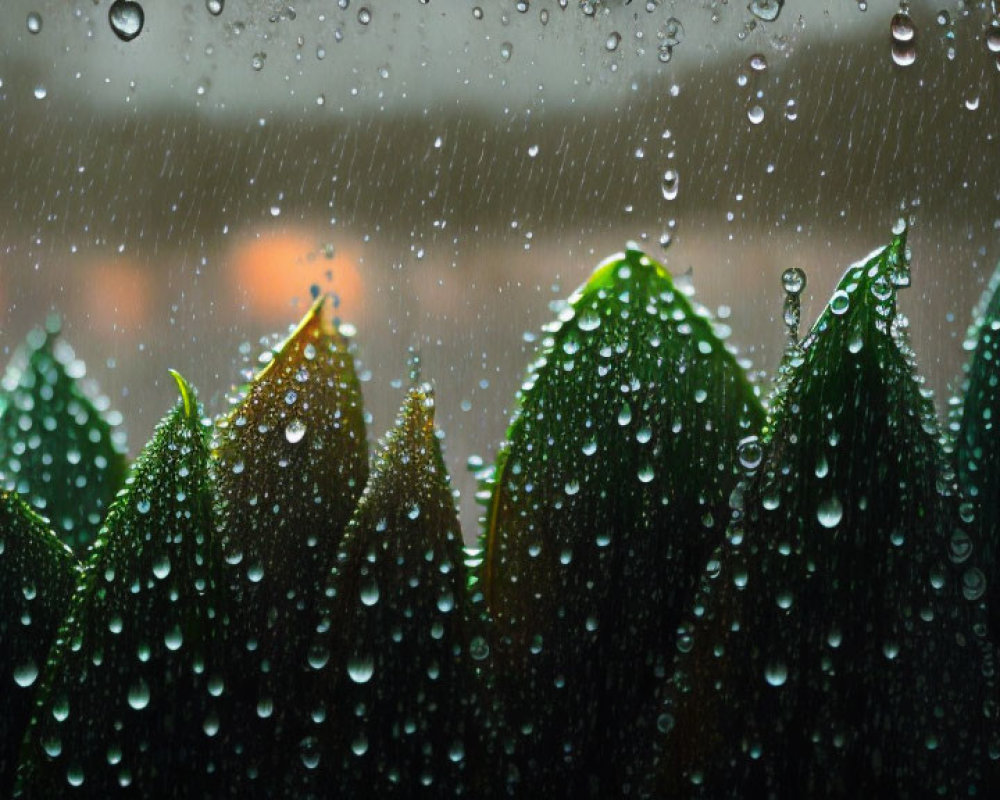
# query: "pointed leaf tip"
[[187, 393]]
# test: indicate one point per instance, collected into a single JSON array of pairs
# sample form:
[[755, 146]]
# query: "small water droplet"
[[34, 22], [364, 15], [126, 18], [294, 431], [670, 185], [973, 583], [215, 7], [506, 51], [611, 43], [755, 114], [840, 302]]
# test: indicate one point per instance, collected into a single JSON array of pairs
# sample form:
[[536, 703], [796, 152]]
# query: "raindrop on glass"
[[829, 512], [671, 184], [364, 15], [360, 668], [294, 431], [903, 34], [750, 452], [126, 18], [611, 43], [767, 10], [34, 22], [776, 673], [138, 695], [215, 7]]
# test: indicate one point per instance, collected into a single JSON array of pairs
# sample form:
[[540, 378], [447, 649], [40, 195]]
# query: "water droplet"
[[755, 114], [215, 6], [257, 63], [506, 51], [776, 673], [750, 452], [161, 566], [138, 695], [40, 92], [767, 10], [671, 32], [794, 280], [960, 546], [904, 39], [294, 431], [479, 648], [173, 638], [646, 473], [973, 583], [829, 512], [126, 18], [671, 184], [360, 668], [25, 674], [757, 62], [34, 22], [369, 592], [611, 43], [840, 302], [364, 15], [993, 37]]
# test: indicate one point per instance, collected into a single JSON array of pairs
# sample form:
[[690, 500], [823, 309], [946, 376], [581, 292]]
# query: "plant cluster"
[[679, 592]]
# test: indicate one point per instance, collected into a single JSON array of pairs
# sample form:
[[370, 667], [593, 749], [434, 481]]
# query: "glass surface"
[[179, 181], [449, 172]]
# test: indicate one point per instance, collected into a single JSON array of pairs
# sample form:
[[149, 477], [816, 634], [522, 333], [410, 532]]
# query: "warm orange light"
[[116, 295], [273, 269]]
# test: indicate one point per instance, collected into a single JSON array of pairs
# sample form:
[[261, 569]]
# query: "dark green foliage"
[[977, 450], [396, 654], [835, 647], [126, 704], [56, 448], [37, 576], [291, 462], [608, 498]]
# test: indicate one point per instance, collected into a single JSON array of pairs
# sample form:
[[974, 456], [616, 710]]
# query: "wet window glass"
[[439, 397]]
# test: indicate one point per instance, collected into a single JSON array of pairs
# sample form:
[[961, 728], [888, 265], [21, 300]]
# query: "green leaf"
[[396, 652], [608, 498], [37, 576], [57, 448], [977, 449], [291, 462], [836, 644], [126, 705]]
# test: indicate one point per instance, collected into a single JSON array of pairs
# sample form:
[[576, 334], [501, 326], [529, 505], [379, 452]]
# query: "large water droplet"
[[294, 431], [126, 18], [904, 39], [671, 184], [829, 512], [138, 695], [360, 668], [794, 280], [776, 673], [767, 10], [750, 452], [25, 674]]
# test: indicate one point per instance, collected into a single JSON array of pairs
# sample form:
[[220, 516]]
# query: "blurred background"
[[449, 170]]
